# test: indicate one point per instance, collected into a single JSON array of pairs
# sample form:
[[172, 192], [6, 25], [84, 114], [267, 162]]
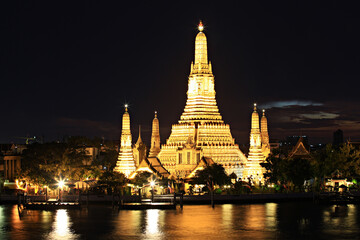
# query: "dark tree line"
[[341, 160]]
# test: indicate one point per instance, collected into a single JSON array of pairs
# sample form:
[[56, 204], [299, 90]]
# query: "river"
[[294, 220]]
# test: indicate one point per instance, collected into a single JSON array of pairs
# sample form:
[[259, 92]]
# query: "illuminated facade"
[[253, 169], [201, 132], [139, 150], [126, 162], [155, 137], [265, 145]]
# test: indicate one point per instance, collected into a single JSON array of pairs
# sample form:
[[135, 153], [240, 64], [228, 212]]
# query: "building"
[[201, 132], [155, 137], [265, 142], [299, 150], [126, 161], [253, 170], [139, 150]]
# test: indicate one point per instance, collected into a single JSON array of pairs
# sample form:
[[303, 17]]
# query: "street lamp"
[[61, 184]]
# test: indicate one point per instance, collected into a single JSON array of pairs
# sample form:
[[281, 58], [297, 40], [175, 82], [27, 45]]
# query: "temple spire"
[[201, 58], [139, 141], [255, 120], [253, 170], [155, 137], [126, 162], [265, 135]]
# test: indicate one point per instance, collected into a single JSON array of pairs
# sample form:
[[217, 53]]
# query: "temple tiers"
[[201, 132], [126, 162]]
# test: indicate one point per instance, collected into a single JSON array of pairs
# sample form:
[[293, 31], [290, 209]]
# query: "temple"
[[265, 144], [126, 162], [201, 132], [253, 170], [139, 150], [155, 137]]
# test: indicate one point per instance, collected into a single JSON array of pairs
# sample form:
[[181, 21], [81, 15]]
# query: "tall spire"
[[201, 132], [255, 120], [265, 135], [264, 129], [155, 137], [253, 169], [201, 64], [139, 141], [201, 104], [125, 163]]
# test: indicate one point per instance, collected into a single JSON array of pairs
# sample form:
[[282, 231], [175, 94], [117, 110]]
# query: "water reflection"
[[252, 221], [62, 226]]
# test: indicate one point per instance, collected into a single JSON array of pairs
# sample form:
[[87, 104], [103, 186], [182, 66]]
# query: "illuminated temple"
[[253, 170], [201, 132], [126, 161]]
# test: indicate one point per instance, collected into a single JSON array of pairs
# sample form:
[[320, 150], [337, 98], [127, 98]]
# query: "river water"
[[303, 220]]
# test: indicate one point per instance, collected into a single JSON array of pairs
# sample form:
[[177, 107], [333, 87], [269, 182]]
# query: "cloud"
[[290, 103], [317, 120], [319, 115]]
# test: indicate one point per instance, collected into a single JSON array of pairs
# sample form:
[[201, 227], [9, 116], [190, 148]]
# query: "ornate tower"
[[253, 169], [155, 138], [201, 132], [125, 163], [139, 150], [264, 136]]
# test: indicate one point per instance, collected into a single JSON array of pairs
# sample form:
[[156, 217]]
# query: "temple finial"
[[200, 26], [254, 106], [263, 112], [155, 114], [126, 107]]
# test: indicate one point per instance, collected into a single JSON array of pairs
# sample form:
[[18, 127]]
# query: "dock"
[[51, 205], [162, 202]]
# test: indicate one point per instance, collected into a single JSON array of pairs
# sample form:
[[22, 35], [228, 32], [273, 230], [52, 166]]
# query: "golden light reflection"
[[270, 220], [227, 215], [62, 226], [152, 221]]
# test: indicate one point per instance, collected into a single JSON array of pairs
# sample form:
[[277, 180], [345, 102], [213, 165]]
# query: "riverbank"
[[187, 199]]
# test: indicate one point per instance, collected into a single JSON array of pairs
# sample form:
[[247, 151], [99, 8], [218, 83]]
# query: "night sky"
[[68, 67]]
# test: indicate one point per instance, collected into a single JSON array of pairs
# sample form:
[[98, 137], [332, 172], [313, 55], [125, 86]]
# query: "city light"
[[61, 184]]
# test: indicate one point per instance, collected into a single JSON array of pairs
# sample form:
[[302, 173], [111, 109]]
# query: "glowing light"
[[152, 221], [61, 184], [152, 183], [201, 26], [62, 226]]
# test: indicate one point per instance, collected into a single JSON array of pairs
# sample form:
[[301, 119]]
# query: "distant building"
[[299, 150], [293, 140]]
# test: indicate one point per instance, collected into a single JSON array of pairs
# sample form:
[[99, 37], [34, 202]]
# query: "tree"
[[344, 159], [212, 175], [45, 163], [143, 178], [299, 170], [350, 160], [113, 180], [276, 168]]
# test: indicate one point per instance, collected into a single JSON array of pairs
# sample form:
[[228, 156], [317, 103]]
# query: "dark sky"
[[68, 67]]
